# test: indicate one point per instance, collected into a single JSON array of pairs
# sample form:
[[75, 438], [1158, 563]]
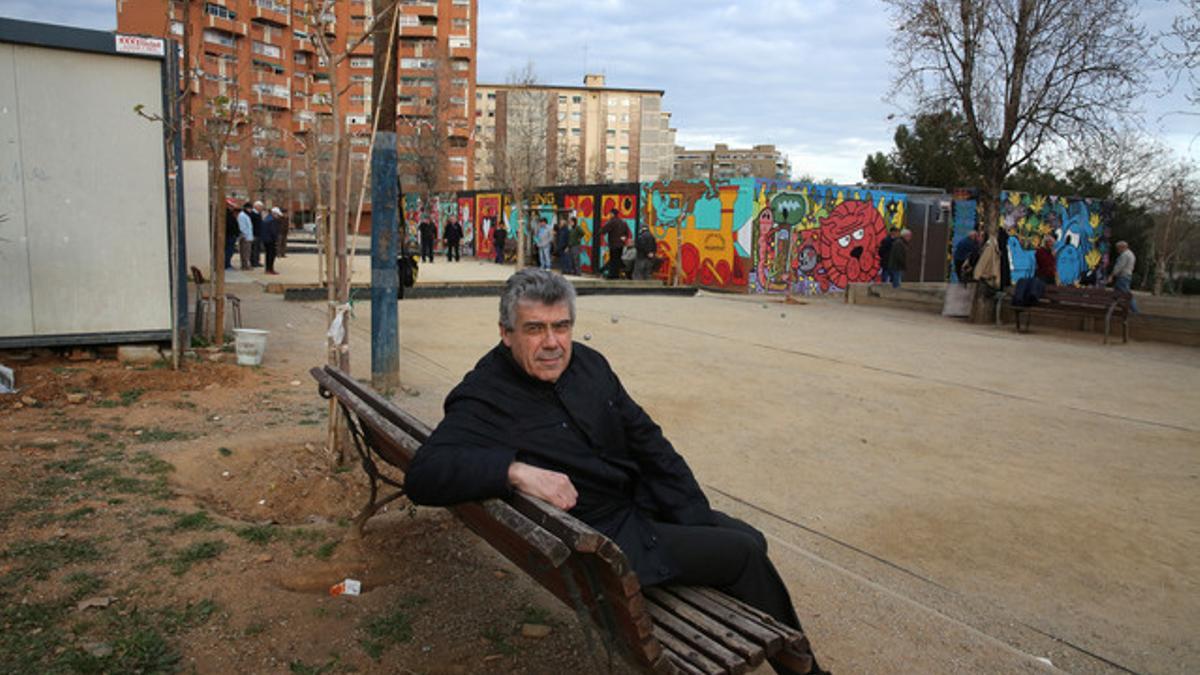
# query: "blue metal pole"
[[385, 335]]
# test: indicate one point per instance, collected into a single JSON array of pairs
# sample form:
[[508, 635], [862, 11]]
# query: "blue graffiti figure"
[[1074, 243], [1021, 261]]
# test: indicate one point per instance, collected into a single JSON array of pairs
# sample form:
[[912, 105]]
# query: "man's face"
[[541, 339]]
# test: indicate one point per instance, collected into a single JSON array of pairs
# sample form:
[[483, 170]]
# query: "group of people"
[[255, 233], [452, 236], [972, 260], [563, 240]]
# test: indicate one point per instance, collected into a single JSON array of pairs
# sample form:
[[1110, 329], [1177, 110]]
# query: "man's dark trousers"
[[452, 252], [426, 249], [614, 261], [732, 557]]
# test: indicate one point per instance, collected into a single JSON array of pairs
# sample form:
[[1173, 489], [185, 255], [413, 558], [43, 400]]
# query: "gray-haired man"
[[542, 415]]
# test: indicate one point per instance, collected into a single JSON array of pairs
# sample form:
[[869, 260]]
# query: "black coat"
[[586, 426]]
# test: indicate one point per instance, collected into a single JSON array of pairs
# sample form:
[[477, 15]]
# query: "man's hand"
[[551, 486]]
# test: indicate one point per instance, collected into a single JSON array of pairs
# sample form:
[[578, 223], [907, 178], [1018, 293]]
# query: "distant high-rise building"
[[761, 161], [588, 134], [260, 56]]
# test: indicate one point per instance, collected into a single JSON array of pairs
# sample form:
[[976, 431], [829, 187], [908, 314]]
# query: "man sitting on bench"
[[547, 417]]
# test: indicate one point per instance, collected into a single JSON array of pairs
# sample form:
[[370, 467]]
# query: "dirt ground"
[[939, 497], [192, 521]]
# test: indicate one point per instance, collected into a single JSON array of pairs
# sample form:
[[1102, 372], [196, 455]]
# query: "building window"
[[460, 42], [362, 63], [301, 58], [266, 50], [219, 38], [177, 28], [219, 11], [576, 99]]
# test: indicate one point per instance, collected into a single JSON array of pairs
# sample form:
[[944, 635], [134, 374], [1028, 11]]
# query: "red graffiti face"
[[849, 243]]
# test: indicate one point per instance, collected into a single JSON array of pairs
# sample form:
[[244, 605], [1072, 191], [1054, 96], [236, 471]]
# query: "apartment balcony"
[[218, 48], [304, 45], [358, 129], [420, 30], [265, 77], [364, 48], [462, 53], [227, 25], [273, 12], [300, 126]]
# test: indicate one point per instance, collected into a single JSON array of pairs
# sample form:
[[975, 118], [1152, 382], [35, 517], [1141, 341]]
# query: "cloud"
[[95, 14]]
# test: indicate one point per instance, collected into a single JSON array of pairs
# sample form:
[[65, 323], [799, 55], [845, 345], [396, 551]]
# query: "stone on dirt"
[[76, 398], [537, 631]]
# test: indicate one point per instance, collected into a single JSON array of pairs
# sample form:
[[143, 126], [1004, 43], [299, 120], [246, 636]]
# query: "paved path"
[[940, 497]]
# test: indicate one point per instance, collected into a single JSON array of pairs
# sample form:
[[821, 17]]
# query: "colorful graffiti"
[[584, 208], [1079, 226], [697, 218], [813, 239], [487, 208]]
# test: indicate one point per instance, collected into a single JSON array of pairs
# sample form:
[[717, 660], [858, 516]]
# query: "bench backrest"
[[579, 565], [1100, 298]]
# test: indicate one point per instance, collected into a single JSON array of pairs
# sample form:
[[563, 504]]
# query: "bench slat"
[[768, 639], [689, 633], [678, 664], [791, 636], [710, 625], [687, 654]]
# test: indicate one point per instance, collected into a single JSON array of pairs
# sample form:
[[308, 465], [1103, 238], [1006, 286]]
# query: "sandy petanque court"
[[940, 497]]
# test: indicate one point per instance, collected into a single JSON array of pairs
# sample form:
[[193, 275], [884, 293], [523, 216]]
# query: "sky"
[[812, 77]]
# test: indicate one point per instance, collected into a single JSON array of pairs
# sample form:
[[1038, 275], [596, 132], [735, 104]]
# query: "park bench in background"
[[671, 629], [1087, 303]]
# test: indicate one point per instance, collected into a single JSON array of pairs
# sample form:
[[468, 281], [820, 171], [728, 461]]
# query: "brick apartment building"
[[260, 54], [591, 134], [761, 161]]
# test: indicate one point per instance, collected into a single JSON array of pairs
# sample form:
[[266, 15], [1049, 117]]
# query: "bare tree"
[[1024, 74], [1181, 49], [1176, 222], [522, 155]]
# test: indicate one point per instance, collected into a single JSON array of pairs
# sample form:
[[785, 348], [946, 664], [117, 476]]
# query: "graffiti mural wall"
[[811, 239], [700, 219], [1080, 227]]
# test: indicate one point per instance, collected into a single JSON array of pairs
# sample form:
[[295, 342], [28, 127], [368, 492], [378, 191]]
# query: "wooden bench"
[[1089, 303], [672, 629]]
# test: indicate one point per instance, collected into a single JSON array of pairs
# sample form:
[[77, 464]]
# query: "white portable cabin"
[[89, 251]]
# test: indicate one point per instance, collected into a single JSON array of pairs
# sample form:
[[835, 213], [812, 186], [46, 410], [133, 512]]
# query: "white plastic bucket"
[[251, 344]]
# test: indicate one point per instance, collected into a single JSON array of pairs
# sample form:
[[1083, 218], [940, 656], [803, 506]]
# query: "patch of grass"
[[193, 614], [100, 436], [224, 452], [198, 552], [67, 465], [107, 403], [256, 628], [184, 405], [31, 633], [345, 468], [45, 445], [199, 520], [42, 557], [324, 551], [101, 474], [83, 584], [385, 630], [156, 435], [499, 640], [130, 396], [78, 514], [308, 421], [158, 488], [259, 534], [147, 463], [53, 486], [535, 614]]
